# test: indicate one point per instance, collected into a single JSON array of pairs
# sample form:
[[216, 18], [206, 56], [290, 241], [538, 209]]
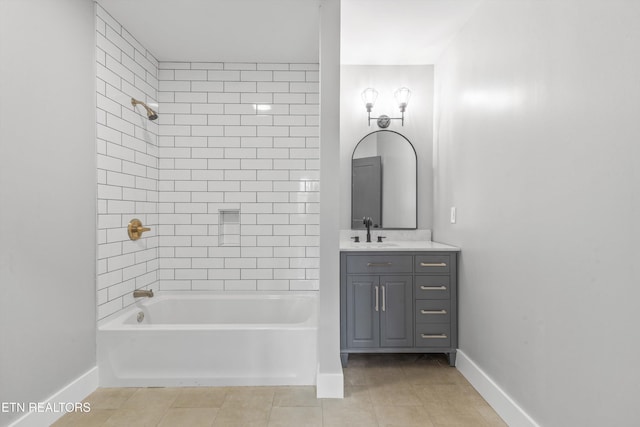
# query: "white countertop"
[[397, 245]]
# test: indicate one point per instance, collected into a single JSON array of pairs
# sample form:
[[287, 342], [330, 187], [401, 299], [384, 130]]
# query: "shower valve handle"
[[135, 229]]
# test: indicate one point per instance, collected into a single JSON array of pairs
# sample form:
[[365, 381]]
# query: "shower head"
[[152, 115]]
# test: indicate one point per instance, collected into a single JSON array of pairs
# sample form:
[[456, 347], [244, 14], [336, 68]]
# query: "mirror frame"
[[415, 156]]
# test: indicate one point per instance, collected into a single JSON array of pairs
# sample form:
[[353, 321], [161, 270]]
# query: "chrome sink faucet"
[[367, 223]]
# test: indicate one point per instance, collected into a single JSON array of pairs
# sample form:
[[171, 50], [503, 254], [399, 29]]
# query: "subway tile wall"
[[127, 165], [238, 137], [231, 137]]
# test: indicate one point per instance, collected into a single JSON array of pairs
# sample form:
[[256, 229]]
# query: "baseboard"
[[500, 401], [74, 392], [329, 385]]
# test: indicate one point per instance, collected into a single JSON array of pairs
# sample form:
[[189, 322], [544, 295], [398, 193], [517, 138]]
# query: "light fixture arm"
[[384, 121]]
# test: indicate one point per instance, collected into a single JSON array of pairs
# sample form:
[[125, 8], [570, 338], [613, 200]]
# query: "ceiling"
[[372, 31]]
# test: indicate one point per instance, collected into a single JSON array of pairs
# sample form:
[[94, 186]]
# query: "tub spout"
[[138, 293]]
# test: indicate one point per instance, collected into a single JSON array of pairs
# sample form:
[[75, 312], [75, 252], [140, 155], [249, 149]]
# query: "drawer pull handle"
[[384, 299], [433, 311], [433, 288], [440, 336], [378, 264], [433, 264]]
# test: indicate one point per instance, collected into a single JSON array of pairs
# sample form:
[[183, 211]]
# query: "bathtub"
[[211, 339]]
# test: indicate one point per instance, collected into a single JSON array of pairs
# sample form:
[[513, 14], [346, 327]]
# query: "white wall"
[[127, 149], [418, 127], [47, 197], [536, 139], [330, 381]]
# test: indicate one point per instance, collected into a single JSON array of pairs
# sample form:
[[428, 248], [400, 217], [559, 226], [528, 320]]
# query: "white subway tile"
[[240, 175], [272, 197], [187, 97], [313, 131], [175, 285], [240, 197], [208, 130], [256, 76], [306, 67], [223, 163], [258, 273], [256, 186], [191, 163], [261, 141], [257, 230], [223, 274], [289, 98], [207, 153], [289, 208], [224, 141], [208, 263], [304, 285], [190, 141], [289, 164], [223, 119], [240, 285], [192, 273], [239, 86], [207, 285], [257, 120], [272, 87], [257, 208], [288, 230], [273, 285], [290, 120], [273, 131], [289, 76], [289, 273], [218, 75], [293, 142], [265, 66], [240, 66], [190, 75], [262, 164], [273, 175], [174, 86], [256, 98], [174, 65], [207, 66], [205, 175]]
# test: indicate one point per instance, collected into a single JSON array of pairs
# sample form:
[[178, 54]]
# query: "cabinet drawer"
[[433, 263], [379, 264], [433, 311], [433, 335], [433, 287]]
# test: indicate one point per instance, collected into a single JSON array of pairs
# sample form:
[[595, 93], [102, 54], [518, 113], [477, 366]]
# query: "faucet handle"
[[380, 238], [356, 239]]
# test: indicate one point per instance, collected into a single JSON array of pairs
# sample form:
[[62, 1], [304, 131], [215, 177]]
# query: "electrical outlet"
[[453, 214]]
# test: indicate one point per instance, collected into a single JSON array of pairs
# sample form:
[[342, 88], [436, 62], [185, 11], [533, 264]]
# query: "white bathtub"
[[211, 339]]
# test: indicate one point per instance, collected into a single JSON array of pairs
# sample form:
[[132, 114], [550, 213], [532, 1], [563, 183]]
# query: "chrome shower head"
[[152, 115]]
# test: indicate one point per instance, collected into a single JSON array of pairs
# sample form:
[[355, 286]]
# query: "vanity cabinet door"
[[363, 308], [396, 311]]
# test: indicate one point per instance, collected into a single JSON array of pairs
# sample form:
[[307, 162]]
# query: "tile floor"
[[380, 390]]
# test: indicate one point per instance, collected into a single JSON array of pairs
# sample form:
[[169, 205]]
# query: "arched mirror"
[[384, 181]]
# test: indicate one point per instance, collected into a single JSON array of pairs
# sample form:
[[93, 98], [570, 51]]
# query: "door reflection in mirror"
[[384, 181]]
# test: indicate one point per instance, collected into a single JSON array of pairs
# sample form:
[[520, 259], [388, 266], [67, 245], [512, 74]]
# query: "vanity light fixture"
[[369, 96]]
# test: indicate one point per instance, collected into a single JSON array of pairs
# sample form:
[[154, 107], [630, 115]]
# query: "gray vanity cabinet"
[[380, 311], [398, 302]]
